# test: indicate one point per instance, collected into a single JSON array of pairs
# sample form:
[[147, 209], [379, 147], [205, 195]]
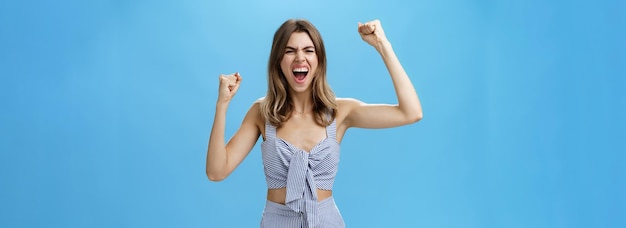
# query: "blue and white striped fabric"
[[301, 172], [277, 215]]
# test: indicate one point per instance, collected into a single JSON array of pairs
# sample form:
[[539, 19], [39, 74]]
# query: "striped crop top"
[[301, 172]]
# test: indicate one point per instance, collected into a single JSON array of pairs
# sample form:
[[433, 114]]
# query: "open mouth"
[[300, 74]]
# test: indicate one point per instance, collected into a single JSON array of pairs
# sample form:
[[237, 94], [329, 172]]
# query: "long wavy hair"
[[277, 105]]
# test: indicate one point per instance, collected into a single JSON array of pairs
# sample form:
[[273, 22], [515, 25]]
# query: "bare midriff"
[[278, 195]]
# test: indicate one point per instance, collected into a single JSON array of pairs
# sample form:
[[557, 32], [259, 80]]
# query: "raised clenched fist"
[[372, 33], [229, 84]]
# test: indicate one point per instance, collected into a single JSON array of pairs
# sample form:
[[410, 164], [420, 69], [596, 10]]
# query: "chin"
[[301, 88]]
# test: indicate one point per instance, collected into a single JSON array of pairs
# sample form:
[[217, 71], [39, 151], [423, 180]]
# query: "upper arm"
[[242, 142], [363, 115]]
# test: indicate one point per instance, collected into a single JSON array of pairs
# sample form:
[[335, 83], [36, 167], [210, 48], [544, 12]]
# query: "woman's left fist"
[[372, 33]]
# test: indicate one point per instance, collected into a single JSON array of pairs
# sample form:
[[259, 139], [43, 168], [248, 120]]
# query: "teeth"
[[300, 70]]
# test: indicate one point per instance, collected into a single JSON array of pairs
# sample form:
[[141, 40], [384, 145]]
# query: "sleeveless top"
[[301, 172]]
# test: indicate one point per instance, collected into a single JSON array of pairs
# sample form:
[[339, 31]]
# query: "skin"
[[301, 130], [300, 52]]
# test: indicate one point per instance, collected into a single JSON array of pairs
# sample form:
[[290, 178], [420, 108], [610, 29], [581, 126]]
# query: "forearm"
[[217, 158], [408, 101]]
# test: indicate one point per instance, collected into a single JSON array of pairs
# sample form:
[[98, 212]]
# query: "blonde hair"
[[277, 106]]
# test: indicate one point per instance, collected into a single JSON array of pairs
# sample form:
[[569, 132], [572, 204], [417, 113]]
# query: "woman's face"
[[299, 62]]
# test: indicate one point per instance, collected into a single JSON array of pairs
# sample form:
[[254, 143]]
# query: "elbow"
[[215, 177], [416, 116], [412, 114]]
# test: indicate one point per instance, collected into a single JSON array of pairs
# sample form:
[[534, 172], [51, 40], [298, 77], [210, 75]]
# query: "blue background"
[[106, 109]]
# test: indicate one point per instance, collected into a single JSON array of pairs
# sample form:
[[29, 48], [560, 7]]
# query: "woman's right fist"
[[229, 84]]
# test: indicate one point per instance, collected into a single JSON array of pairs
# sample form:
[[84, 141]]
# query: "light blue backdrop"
[[106, 109]]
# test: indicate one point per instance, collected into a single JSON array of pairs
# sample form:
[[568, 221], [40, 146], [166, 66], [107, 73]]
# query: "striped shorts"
[[278, 215]]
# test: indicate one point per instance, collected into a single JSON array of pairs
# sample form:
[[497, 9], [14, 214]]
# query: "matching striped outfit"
[[302, 173]]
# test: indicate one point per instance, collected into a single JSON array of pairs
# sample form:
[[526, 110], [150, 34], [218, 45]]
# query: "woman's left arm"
[[407, 111]]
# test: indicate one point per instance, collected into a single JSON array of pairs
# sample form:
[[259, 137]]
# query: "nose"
[[300, 56]]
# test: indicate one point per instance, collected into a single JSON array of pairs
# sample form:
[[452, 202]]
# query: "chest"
[[301, 134]]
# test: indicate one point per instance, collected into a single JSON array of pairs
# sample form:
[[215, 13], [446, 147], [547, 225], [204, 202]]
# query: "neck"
[[302, 103]]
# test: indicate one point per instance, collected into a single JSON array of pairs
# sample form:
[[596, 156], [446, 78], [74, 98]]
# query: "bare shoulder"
[[344, 107], [255, 114], [347, 103], [255, 111], [257, 103]]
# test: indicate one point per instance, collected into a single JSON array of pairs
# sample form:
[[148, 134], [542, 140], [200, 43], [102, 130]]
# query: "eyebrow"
[[293, 48]]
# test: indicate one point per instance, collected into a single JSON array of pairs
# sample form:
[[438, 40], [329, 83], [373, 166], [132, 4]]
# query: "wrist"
[[221, 105], [383, 47]]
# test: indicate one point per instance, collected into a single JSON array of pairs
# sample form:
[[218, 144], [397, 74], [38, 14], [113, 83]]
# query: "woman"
[[302, 124]]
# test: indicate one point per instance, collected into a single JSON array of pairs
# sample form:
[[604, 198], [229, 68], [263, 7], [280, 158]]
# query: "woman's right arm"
[[223, 158]]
